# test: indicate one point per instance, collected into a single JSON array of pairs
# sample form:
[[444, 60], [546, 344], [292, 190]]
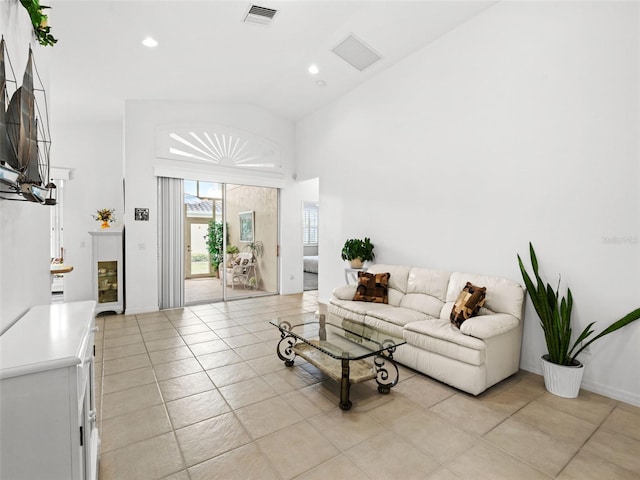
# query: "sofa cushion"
[[384, 326], [398, 278], [372, 287], [344, 292], [503, 295], [430, 282], [457, 346], [397, 315], [468, 304], [348, 309], [487, 326], [443, 329]]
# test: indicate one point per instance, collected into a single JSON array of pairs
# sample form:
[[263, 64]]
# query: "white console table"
[[47, 405]]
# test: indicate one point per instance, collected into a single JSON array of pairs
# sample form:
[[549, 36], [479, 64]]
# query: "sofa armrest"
[[487, 326], [345, 292]]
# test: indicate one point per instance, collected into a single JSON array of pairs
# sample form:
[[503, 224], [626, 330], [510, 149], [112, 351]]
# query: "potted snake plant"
[[561, 369]]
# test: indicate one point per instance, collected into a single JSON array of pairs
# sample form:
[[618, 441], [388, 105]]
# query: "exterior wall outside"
[[520, 125]]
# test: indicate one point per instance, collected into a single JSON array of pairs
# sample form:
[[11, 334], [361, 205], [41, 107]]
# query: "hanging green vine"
[[39, 20]]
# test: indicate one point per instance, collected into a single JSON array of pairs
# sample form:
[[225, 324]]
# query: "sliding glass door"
[[231, 241]]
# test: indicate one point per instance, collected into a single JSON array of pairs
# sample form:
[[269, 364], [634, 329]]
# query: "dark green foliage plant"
[[555, 317], [39, 20], [357, 248], [215, 239]]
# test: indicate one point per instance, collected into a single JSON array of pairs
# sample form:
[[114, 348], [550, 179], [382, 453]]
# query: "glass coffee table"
[[340, 350]]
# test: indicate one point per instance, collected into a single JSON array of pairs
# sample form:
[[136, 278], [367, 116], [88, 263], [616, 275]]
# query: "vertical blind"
[[310, 222], [171, 242]]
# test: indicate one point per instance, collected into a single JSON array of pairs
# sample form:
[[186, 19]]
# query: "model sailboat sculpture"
[[24, 139]]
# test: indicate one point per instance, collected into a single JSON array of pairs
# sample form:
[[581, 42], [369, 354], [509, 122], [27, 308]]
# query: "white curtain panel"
[[171, 242]]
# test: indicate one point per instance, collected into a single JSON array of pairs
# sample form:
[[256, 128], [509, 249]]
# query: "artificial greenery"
[[555, 317], [232, 249], [356, 248], [256, 248], [214, 239], [39, 21]]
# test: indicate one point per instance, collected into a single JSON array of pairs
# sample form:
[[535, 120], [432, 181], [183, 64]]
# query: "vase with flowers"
[[106, 216]]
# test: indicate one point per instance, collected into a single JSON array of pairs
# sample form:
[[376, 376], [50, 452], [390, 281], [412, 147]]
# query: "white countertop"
[[46, 337]]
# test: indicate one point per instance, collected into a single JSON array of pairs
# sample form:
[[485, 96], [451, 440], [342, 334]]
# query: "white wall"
[[141, 120], [520, 125], [94, 154], [24, 226], [291, 214]]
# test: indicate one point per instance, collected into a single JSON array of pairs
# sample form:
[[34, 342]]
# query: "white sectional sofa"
[[482, 352]]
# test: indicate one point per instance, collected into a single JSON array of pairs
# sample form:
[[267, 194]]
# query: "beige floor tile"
[[118, 365], [589, 406], [257, 350], [433, 435], [200, 337], [615, 448], [397, 407], [123, 340], [628, 408], [442, 474], [164, 371], [468, 414], [128, 379], [346, 428], [164, 344], [624, 422], [218, 359], [373, 457], [591, 467], [242, 340], [183, 475], [186, 321], [290, 379], [170, 355], [208, 347], [132, 399], [268, 364], [502, 399], [296, 449], [133, 427], [123, 351], [340, 467], [229, 374], [159, 334], [544, 452], [156, 325], [423, 391], [268, 416], [119, 332], [196, 408], [560, 425], [246, 462], [247, 392], [527, 384], [486, 462], [231, 331], [210, 438], [310, 401], [189, 329], [184, 386], [153, 458]]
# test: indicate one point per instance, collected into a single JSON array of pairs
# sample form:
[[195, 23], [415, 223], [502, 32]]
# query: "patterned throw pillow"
[[468, 304], [372, 287]]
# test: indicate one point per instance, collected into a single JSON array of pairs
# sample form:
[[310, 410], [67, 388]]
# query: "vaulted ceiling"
[[207, 52]]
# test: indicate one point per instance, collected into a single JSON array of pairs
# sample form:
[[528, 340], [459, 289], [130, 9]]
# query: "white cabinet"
[[107, 270], [47, 406]]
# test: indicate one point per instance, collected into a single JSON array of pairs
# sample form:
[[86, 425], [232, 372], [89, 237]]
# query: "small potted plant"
[[256, 248], [561, 369], [357, 251]]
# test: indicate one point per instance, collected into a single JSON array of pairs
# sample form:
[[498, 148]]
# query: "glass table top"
[[343, 340]]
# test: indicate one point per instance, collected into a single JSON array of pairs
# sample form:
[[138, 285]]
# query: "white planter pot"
[[561, 380]]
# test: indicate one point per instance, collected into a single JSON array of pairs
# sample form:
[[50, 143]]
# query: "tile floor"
[[199, 393]]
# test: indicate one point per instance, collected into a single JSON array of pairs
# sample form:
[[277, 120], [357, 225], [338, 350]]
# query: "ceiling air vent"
[[356, 53], [260, 15]]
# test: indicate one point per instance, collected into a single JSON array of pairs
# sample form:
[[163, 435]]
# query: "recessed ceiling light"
[[313, 69], [150, 42]]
